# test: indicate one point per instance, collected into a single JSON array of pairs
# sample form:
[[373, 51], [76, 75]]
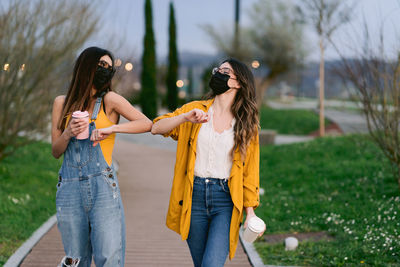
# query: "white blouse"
[[213, 158]]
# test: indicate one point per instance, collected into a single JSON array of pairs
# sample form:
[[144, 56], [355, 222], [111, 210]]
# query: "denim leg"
[[197, 238], [72, 222], [106, 219], [199, 223], [217, 247], [210, 222]]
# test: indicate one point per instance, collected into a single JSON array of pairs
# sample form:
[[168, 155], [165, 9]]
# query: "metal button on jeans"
[[207, 180]]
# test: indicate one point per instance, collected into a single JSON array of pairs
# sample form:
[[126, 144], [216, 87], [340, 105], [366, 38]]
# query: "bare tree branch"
[[37, 45]]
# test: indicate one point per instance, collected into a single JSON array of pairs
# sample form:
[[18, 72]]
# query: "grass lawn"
[[290, 121], [343, 186], [27, 194]]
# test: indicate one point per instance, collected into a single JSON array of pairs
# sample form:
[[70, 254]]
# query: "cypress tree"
[[172, 72], [148, 96], [190, 85], [205, 78]]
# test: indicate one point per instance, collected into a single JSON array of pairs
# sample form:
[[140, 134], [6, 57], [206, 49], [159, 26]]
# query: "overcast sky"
[[123, 21]]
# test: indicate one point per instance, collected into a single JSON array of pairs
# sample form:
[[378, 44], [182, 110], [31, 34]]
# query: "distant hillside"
[[302, 82]]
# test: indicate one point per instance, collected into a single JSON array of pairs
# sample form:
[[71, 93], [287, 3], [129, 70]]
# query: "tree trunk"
[[321, 89], [261, 88]]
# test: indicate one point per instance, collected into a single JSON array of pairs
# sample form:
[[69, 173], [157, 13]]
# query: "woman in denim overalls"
[[90, 214]]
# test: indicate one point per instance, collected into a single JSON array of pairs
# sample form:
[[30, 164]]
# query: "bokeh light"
[[255, 64], [180, 83], [118, 62], [128, 66]]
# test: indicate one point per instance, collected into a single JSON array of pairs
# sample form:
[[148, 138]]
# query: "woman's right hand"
[[196, 116], [76, 126]]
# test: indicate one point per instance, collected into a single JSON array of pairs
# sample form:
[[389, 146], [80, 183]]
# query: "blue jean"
[[90, 214], [210, 222]]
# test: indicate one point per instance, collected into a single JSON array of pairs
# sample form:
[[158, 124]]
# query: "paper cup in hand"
[[82, 115], [255, 226]]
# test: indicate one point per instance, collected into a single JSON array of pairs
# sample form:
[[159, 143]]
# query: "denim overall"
[[90, 214]]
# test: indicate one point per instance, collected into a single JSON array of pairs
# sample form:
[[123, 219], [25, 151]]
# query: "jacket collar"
[[207, 103]]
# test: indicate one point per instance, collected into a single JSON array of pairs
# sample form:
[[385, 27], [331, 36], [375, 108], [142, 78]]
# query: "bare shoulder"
[[59, 101], [113, 98]]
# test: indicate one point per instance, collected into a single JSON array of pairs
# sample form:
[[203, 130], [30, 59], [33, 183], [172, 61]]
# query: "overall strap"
[[97, 107]]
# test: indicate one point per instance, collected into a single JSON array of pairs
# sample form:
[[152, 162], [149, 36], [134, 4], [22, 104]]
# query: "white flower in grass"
[[262, 191]]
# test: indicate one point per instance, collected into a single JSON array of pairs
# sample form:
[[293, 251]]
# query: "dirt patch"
[[332, 129], [311, 236]]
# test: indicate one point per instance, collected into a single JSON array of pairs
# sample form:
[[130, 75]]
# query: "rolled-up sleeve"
[[251, 174], [174, 133]]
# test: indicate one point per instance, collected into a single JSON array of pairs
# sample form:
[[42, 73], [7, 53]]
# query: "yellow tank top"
[[106, 145]]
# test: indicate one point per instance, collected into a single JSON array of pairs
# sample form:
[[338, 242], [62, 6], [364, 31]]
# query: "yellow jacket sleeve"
[[251, 174], [174, 133]]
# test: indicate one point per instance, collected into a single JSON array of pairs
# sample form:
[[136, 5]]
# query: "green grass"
[[28, 181], [289, 121], [343, 186]]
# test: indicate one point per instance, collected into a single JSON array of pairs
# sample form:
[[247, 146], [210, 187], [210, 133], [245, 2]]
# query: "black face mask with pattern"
[[219, 83], [102, 76]]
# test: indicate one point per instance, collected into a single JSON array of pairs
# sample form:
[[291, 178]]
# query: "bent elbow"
[[154, 129], [55, 154], [149, 126]]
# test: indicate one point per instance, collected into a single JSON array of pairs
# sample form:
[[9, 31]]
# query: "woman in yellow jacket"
[[217, 164]]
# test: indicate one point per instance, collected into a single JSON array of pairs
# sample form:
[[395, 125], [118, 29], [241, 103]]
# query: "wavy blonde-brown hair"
[[244, 107]]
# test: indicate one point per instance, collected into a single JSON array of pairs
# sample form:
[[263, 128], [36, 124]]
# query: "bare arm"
[[138, 122], [59, 139], [166, 125]]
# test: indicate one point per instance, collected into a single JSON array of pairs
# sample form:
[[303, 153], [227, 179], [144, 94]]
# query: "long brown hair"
[[244, 107], [79, 90]]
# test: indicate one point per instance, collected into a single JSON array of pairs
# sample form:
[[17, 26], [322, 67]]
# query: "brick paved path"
[[145, 175]]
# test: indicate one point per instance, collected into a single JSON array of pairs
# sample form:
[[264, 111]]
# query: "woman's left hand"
[[250, 213], [100, 134]]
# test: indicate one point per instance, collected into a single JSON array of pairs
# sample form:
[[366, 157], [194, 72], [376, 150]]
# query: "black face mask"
[[219, 83], [102, 76]]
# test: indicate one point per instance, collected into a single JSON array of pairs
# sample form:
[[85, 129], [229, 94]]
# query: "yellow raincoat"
[[243, 182]]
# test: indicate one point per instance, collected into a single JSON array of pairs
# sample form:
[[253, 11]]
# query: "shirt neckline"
[[233, 121]]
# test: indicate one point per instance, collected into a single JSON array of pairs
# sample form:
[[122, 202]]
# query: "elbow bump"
[[150, 126], [154, 130]]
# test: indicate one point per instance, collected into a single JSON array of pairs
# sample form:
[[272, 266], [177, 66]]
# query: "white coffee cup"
[[255, 226]]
